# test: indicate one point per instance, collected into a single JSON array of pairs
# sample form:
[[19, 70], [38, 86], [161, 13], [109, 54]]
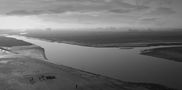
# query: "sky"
[[82, 14]]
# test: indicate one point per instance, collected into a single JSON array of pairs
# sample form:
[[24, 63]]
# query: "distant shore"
[[170, 53], [166, 50]]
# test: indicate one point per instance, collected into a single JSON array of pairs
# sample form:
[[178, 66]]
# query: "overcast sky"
[[22, 14]]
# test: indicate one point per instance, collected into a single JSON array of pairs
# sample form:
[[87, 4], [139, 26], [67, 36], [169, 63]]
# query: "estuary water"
[[123, 64]]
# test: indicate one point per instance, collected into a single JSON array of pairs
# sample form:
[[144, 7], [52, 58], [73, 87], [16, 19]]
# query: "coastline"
[[25, 71], [112, 45], [152, 49], [169, 53]]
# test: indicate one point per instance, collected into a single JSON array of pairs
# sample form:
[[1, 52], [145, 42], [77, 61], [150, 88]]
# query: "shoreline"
[[113, 45], [148, 47], [29, 66], [169, 53]]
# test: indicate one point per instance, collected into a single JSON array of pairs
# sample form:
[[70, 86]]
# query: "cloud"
[[94, 11], [161, 11], [160, 2], [34, 12], [59, 6], [119, 11], [24, 12], [136, 9], [149, 19]]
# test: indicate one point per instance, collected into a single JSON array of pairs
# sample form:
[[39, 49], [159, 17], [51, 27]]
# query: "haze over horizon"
[[77, 14]]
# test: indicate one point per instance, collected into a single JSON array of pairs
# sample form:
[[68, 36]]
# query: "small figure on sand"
[[76, 86]]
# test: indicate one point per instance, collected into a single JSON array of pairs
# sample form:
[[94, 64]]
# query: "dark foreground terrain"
[[24, 67]]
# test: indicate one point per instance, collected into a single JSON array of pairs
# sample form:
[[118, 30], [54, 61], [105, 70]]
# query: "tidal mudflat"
[[170, 53], [25, 67], [123, 64]]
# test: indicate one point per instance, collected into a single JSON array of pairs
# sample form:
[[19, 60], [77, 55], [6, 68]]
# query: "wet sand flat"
[[170, 53], [26, 69]]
